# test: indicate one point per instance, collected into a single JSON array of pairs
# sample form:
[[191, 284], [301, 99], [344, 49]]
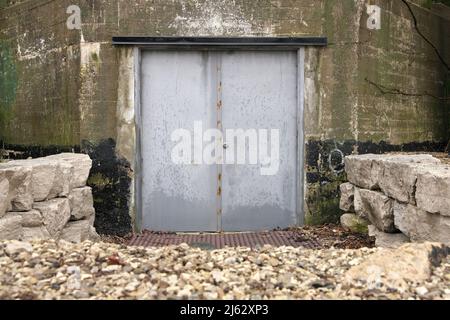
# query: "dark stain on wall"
[[14, 151], [110, 181], [325, 171]]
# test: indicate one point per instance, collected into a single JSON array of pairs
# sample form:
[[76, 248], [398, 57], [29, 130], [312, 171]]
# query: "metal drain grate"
[[221, 240]]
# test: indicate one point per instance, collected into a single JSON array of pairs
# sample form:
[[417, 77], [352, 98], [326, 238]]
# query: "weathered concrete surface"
[[80, 99], [420, 225], [433, 190], [376, 207], [387, 240], [55, 213], [347, 197]]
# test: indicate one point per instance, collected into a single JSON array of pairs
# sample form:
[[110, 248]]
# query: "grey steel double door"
[[194, 91]]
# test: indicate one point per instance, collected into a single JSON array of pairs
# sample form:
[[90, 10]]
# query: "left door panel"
[[177, 90]]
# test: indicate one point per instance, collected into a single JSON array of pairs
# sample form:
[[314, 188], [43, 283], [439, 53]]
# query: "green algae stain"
[[8, 81]]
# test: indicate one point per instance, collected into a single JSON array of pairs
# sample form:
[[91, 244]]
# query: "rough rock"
[[10, 227], [362, 170], [368, 170], [20, 197], [347, 197], [420, 225], [81, 167], [354, 223], [55, 213], [387, 240], [376, 207], [30, 219], [81, 203], [399, 175], [15, 247], [395, 268], [61, 185], [35, 233], [42, 176], [4, 190], [433, 190], [76, 231]]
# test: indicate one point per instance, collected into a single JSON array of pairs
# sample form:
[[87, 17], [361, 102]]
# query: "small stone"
[[421, 291], [15, 247]]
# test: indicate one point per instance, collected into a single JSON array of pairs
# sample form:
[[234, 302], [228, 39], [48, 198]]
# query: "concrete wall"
[[71, 89]]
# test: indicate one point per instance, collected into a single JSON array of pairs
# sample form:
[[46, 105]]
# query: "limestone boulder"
[[420, 225], [76, 231], [20, 197], [81, 203], [362, 170], [31, 218], [347, 197], [61, 185], [433, 189], [399, 174], [354, 223], [387, 240], [55, 214], [395, 268], [4, 190], [10, 227], [35, 233], [81, 167], [386, 172], [43, 174], [375, 207]]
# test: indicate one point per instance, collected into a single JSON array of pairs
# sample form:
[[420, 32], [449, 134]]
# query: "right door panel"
[[259, 91]]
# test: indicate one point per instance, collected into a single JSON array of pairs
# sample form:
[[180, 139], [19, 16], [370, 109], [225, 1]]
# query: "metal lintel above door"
[[222, 42]]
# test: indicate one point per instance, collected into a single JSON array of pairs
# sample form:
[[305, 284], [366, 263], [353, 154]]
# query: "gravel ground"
[[59, 270], [333, 236]]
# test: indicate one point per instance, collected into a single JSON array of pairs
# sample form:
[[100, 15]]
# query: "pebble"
[[61, 270]]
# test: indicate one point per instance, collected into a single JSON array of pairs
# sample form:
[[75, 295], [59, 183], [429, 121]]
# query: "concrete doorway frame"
[[217, 43]]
